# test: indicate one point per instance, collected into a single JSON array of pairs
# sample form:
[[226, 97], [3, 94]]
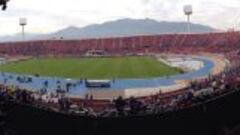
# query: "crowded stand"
[[176, 43]]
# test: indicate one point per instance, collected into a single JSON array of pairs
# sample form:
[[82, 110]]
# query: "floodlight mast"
[[23, 23], [188, 11]]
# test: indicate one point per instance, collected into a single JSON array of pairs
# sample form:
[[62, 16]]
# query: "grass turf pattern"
[[94, 68]]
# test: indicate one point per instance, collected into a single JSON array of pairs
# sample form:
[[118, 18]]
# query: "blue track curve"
[[118, 84]]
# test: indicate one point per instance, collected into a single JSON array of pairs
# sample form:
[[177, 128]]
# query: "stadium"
[[122, 71], [186, 72], [184, 83]]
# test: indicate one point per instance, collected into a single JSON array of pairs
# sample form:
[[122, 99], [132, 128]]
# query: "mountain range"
[[117, 28]]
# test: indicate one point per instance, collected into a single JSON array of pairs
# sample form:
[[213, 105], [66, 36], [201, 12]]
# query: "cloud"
[[50, 15]]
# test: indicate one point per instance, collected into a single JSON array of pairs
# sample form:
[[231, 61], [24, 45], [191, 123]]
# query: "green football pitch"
[[94, 68]]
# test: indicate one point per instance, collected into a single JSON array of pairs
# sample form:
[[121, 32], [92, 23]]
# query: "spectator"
[[120, 104]]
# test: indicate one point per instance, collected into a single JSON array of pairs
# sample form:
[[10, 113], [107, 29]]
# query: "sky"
[[46, 16]]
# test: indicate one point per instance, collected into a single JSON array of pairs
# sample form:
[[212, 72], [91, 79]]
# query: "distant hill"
[[122, 27]]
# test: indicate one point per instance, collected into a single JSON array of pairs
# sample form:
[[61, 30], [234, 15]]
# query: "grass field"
[[95, 68]]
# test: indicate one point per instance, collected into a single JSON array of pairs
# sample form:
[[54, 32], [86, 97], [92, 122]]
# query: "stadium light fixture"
[[23, 23], [188, 11]]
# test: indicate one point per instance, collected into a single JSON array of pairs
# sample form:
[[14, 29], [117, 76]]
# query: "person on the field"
[[68, 86], [45, 84]]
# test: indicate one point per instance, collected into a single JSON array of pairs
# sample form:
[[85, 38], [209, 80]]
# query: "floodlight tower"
[[188, 11], [23, 23]]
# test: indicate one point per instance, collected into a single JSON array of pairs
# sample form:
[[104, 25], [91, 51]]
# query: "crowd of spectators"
[[173, 43]]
